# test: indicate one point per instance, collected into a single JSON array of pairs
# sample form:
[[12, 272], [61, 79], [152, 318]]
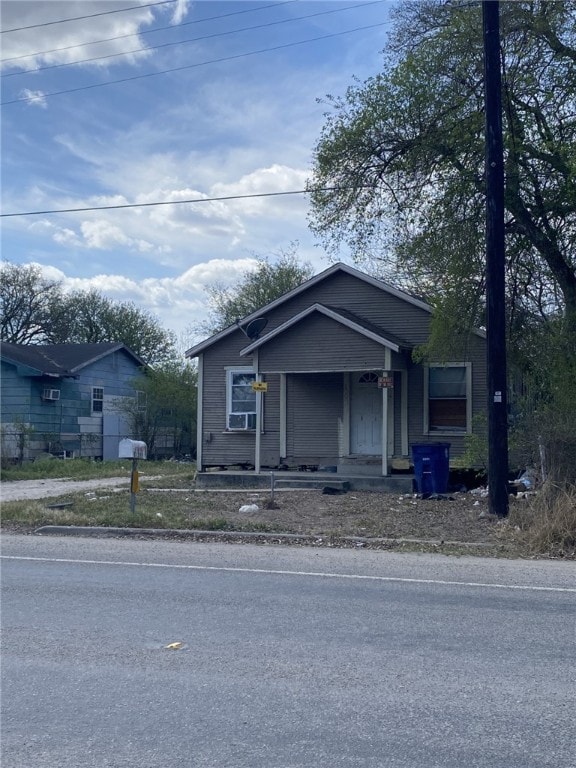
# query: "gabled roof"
[[60, 359], [340, 316], [339, 267]]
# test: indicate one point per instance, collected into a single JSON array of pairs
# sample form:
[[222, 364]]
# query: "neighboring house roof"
[[344, 317], [339, 267], [59, 360]]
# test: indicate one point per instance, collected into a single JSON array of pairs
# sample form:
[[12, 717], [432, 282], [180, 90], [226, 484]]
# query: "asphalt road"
[[290, 657]]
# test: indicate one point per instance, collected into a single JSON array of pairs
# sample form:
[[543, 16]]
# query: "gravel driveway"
[[20, 490]]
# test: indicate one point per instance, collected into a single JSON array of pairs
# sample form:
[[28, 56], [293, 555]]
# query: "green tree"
[[163, 410], [26, 301], [399, 166], [258, 287], [89, 317], [35, 310]]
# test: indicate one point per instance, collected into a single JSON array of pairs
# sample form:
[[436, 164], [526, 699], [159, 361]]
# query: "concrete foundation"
[[221, 479]]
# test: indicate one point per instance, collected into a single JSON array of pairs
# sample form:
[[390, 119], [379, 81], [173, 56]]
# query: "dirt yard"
[[357, 518], [362, 515]]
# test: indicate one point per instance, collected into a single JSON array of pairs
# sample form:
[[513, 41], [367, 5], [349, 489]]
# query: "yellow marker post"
[[133, 485], [135, 482]]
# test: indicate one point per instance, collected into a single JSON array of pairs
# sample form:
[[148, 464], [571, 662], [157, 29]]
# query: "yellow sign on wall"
[[260, 386]]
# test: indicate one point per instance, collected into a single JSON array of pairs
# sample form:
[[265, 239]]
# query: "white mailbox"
[[132, 449]]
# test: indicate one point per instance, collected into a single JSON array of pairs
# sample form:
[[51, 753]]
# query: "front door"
[[366, 415]]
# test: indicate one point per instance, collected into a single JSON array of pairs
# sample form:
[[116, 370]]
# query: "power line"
[[90, 16], [148, 31], [161, 202], [26, 99], [196, 39]]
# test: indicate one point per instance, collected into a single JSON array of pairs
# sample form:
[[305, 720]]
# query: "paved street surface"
[[289, 658]]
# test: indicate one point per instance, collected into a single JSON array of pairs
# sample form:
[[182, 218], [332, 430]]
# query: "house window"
[[97, 399], [240, 400], [368, 378], [447, 406]]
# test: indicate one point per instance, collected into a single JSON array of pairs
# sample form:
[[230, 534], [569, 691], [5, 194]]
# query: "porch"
[[345, 479]]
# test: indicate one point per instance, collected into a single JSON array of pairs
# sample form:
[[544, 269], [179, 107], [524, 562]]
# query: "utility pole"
[[495, 266]]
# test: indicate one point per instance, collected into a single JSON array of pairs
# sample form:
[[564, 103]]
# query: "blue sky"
[[229, 119]]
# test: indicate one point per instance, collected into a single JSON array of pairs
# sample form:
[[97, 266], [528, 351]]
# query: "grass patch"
[[112, 509], [84, 469], [547, 524]]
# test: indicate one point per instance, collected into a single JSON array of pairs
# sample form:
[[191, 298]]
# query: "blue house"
[[65, 398]]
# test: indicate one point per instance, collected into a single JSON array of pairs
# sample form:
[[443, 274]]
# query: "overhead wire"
[[148, 31], [194, 39], [195, 200], [132, 78], [88, 16]]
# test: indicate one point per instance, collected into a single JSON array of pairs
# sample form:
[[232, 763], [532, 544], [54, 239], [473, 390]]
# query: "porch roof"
[[348, 319]]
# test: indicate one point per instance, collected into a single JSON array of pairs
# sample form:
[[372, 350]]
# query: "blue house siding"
[[66, 424]]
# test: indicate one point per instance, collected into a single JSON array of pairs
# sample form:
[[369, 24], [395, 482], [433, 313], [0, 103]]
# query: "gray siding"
[[218, 446], [476, 355], [388, 312], [315, 412], [321, 344]]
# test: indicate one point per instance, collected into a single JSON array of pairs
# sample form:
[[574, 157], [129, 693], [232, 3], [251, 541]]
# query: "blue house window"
[[97, 399]]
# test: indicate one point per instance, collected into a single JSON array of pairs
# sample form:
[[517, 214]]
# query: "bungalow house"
[[325, 377], [63, 398]]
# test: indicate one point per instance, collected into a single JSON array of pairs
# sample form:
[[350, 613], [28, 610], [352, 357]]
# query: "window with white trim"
[[97, 399], [240, 400], [447, 398]]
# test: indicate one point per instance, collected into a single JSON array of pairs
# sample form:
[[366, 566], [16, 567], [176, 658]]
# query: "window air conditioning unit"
[[241, 421], [51, 394]]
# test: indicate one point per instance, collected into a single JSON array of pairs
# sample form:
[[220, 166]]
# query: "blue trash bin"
[[431, 467]]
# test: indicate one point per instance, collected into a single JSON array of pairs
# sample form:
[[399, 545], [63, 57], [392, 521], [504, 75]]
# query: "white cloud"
[[179, 302], [71, 41], [176, 233], [180, 11], [103, 235], [274, 179], [66, 237], [35, 98]]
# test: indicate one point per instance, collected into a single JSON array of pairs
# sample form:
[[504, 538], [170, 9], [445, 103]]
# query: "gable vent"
[[51, 394]]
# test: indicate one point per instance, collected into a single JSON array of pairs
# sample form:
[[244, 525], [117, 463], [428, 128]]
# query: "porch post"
[[388, 365], [404, 409], [200, 414], [282, 425], [258, 418]]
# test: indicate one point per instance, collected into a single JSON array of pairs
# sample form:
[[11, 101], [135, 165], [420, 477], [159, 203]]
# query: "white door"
[[366, 415]]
